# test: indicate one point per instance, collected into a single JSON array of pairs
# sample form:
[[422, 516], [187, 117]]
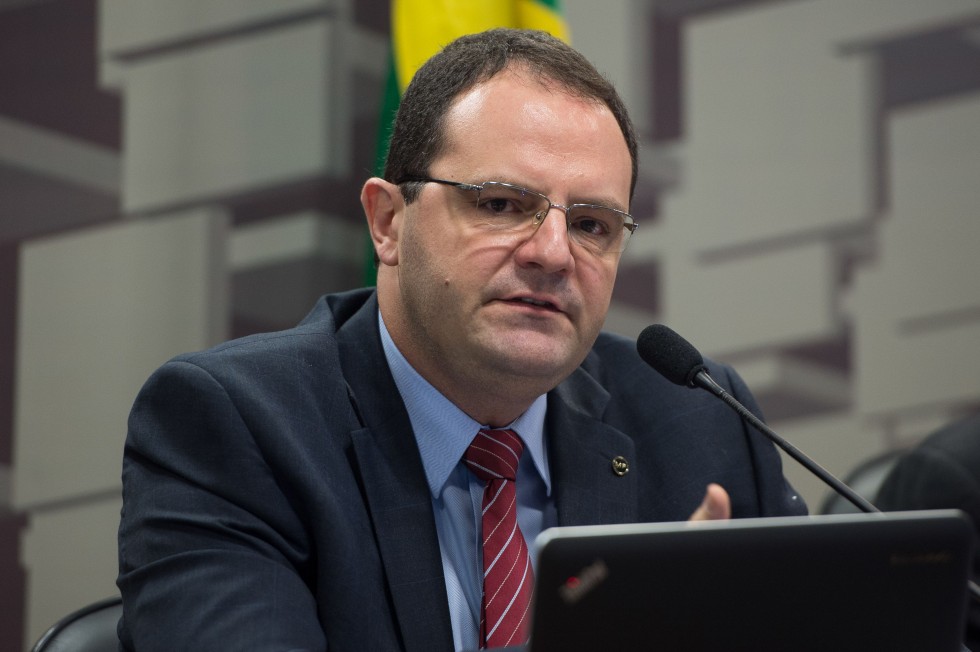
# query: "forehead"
[[518, 127]]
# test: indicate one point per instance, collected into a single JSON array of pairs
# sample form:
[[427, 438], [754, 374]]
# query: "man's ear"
[[384, 208]]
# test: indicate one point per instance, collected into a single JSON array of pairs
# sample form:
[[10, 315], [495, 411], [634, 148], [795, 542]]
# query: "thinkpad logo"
[[578, 586]]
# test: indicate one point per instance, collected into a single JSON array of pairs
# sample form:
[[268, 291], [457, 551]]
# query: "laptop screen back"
[[846, 582]]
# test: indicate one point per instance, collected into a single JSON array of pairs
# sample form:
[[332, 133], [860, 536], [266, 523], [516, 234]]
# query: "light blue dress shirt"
[[443, 432]]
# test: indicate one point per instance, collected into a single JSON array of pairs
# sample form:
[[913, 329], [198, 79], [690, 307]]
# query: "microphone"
[[678, 361]]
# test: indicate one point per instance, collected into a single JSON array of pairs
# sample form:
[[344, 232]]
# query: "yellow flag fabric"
[[420, 28]]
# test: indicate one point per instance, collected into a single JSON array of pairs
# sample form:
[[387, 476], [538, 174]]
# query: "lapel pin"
[[620, 466]]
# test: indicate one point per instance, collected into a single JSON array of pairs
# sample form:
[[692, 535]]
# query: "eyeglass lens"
[[512, 208]]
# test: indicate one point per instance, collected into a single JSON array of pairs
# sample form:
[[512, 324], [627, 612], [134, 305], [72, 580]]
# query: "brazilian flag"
[[420, 28]]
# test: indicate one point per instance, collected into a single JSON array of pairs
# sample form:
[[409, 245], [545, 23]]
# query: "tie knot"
[[494, 454]]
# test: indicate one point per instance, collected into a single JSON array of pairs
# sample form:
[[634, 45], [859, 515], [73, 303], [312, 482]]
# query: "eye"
[[593, 225], [499, 200], [500, 205]]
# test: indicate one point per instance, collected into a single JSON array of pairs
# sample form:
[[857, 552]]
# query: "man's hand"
[[716, 506]]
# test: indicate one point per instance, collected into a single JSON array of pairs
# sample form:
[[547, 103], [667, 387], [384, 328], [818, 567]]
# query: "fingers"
[[715, 506]]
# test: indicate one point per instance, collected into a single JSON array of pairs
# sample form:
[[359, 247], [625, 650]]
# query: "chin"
[[550, 365]]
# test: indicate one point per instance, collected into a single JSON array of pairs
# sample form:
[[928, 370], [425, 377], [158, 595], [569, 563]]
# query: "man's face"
[[481, 307]]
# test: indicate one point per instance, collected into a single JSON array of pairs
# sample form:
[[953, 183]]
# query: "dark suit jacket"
[[274, 497]]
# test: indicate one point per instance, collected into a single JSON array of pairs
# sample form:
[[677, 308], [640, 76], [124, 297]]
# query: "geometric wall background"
[[174, 174]]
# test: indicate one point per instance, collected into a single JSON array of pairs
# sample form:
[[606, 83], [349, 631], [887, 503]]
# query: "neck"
[[489, 394], [489, 410]]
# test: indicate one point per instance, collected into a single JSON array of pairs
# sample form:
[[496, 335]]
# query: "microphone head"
[[671, 355]]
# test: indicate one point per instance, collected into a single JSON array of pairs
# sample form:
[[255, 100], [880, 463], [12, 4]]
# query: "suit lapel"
[[398, 497], [581, 452]]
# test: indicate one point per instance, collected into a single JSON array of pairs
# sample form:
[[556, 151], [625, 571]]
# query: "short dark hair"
[[418, 134]]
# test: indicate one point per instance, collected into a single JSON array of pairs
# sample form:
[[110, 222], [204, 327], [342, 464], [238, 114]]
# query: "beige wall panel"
[[133, 25], [777, 373], [292, 237], [235, 115], [769, 299], [857, 21], [100, 309], [70, 557], [616, 37], [779, 137], [628, 320], [896, 373], [60, 157], [917, 310], [929, 263]]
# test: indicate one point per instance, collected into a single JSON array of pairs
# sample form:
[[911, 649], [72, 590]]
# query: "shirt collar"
[[443, 431]]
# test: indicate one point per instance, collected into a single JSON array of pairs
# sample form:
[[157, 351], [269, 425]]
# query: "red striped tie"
[[507, 574]]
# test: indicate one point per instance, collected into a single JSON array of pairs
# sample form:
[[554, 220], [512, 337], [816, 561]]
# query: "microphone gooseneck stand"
[[679, 362]]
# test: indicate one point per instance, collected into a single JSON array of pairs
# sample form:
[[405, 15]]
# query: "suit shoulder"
[[613, 353], [290, 342], [615, 356], [306, 353], [316, 333]]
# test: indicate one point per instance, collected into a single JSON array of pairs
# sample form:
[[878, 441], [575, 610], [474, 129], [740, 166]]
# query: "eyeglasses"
[[503, 206]]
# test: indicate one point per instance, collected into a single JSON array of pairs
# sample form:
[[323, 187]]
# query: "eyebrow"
[[606, 203]]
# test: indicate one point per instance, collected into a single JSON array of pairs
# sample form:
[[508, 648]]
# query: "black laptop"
[[840, 583]]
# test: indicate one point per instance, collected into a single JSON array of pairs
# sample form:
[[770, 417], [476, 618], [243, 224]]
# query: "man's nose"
[[548, 246]]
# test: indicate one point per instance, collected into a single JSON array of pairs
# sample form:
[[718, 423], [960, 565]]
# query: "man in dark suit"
[[307, 489]]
